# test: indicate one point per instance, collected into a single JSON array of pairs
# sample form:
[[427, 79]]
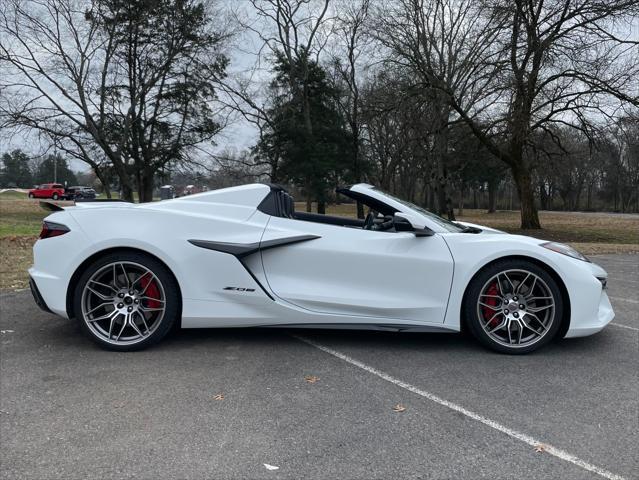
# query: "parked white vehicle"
[[242, 257]]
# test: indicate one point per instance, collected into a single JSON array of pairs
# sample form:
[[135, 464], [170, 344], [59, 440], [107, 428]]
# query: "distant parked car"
[[48, 190], [79, 193]]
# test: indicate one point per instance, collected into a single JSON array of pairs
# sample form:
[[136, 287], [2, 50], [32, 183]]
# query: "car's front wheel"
[[55, 196], [126, 301], [31, 195], [513, 306]]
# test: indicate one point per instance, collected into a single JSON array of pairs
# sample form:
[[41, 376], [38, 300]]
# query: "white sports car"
[[242, 257]]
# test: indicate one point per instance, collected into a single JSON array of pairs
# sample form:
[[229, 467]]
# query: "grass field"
[[591, 233]]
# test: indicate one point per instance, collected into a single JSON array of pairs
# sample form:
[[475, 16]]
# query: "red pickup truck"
[[47, 190]]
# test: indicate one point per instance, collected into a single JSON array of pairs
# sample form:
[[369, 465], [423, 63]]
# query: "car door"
[[361, 273]]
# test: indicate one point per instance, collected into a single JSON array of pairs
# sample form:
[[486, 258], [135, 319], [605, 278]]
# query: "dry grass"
[[15, 258]]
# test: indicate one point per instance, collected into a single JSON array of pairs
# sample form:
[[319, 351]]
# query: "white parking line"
[[624, 326], [629, 300], [522, 437]]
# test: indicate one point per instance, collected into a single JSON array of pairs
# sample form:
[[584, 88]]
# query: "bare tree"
[[511, 68], [135, 80], [352, 36]]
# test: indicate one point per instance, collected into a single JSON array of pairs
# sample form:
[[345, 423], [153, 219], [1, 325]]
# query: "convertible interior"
[[380, 216]]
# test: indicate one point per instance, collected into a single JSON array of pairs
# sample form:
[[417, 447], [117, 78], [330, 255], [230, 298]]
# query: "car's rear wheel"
[[513, 306], [126, 301], [55, 196], [31, 195]]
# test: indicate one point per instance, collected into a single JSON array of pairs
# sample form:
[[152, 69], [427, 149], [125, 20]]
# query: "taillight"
[[51, 229]]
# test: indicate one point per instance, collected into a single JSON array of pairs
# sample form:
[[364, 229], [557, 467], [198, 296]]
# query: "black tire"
[[31, 195], [171, 295], [55, 196], [471, 311]]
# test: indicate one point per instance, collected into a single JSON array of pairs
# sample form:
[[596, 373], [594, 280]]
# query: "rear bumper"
[[37, 297]]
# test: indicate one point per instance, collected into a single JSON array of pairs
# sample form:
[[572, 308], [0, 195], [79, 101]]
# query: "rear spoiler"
[[54, 207], [51, 207], [100, 200]]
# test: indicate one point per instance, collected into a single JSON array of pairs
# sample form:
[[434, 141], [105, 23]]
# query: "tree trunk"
[[104, 180], [321, 207], [492, 196], [526, 193], [145, 186], [126, 192]]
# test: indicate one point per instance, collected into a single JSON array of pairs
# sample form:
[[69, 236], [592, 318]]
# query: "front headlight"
[[564, 250]]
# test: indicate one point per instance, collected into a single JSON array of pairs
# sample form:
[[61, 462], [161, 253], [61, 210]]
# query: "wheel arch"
[[565, 321], [83, 266]]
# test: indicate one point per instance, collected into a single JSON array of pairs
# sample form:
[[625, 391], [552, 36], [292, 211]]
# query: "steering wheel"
[[369, 221]]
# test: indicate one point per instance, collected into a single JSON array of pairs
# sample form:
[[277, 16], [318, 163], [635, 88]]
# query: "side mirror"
[[406, 222]]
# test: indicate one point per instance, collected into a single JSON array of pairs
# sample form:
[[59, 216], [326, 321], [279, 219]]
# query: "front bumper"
[[597, 322]]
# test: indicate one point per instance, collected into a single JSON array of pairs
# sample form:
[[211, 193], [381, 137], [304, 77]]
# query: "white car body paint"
[[346, 277]]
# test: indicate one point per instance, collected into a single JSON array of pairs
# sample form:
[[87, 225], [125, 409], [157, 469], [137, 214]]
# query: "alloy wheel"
[[516, 308], [123, 303]]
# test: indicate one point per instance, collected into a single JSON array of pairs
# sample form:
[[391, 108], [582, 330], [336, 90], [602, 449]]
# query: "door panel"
[[351, 271]]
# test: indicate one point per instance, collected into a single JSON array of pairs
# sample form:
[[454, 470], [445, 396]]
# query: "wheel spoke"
[[151, 299], [141, 277], [522, 283], [124, 324], [111, 325], [104, 317], [492, 307], [143, 321], [503, 323], [512, 286], [510, 333], [150, 309], [490, 296], [104, 285], [520, 330], [538, 320], [126, 276], [153, 278], [539, 309], [115, 276], [134, 326], [101, 296], [99, 306]]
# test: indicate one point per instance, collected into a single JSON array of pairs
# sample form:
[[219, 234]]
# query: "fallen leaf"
[[540, 448], [271, 467], [219, 396], [399, 408], [311, 378]]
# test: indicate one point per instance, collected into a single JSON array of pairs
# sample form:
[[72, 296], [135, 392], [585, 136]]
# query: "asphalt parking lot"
[[70, 410]]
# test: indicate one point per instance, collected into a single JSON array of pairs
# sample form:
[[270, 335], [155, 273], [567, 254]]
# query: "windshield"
[[442, 222]]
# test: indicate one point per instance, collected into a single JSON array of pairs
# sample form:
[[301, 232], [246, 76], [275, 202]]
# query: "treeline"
[[529, 104], [18, 170]]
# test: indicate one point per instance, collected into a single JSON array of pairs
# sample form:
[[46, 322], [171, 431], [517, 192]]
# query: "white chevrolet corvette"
[[242, 257]]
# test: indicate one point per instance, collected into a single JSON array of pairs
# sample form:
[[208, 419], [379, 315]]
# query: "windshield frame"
[[435, 222]]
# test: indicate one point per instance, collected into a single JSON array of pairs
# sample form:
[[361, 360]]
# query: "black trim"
[[37, 297], [241, 250], [51, 207], [382, 327], [328, 219]]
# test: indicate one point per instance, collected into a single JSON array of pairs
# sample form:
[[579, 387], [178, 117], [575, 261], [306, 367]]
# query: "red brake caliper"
[[489, 312], [152, 291]]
